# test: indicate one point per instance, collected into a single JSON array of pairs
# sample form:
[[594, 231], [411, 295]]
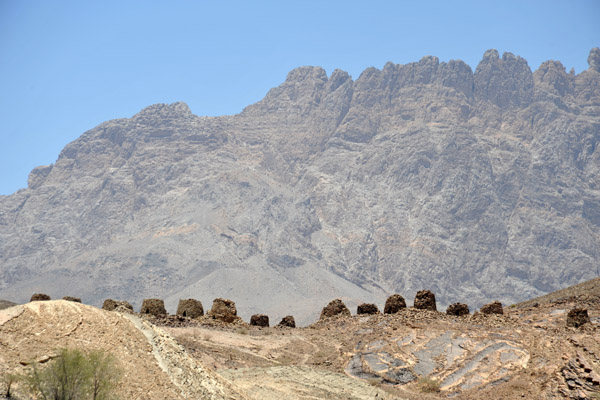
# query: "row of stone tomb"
[[225, 310]]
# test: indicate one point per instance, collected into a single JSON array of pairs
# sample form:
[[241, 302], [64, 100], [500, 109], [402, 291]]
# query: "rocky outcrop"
[[287, 322], [190, 308], [153, 307], [577, 317], [425, 300], [367, 308], [494, 307], [458, 309], [261, 320], [334, 308], [71, 298], [424, 174], [223, 310], [393, 304]]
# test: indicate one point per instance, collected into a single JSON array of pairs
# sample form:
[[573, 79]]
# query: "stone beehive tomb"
[[153, 307], [190, 308]]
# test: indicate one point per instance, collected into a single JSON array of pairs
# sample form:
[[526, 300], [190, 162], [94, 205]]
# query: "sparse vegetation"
[[428, 385], [75, 375], [8, 380]]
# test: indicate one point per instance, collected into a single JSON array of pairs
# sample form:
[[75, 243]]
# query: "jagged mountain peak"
[[477, 185]]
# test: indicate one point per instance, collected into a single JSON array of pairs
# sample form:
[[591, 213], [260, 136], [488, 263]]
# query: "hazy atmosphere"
[[68, 66]]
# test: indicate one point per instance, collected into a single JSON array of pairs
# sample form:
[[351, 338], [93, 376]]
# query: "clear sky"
[[66, 66]]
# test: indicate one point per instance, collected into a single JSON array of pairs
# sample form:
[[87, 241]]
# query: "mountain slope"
[[477, 185]]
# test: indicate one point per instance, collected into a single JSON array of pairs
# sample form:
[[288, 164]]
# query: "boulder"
[[458, 309], [366, 308], [287, 321], [223, 310], [153, 307], [71, 298], [40, 297], [577, 317], [116, 305], [335, 307], [425, 300], [190, 308], [393, 304], [260, 320], [492, 308]]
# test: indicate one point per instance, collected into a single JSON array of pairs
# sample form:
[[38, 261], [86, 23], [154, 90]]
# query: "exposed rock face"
[[366, 308], [190, 308], [259, 320], [492, 308], [577, 317], [114, 305], [153, 307], [71, 298], [39, 297], [335, 307], [428, 173], [458, 309], [393, 304], [288, 321], [223, 310], [425, 300]]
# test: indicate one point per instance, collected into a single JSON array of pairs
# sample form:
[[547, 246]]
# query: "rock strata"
[[425, 300], [114, 305]]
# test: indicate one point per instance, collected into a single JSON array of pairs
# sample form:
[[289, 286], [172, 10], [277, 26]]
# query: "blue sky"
[[66, 66]]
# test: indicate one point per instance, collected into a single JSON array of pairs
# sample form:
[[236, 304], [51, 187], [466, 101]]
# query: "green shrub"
[[75, 375], [428, 385]]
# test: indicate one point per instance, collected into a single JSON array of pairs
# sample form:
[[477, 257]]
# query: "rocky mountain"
[[476, 185]]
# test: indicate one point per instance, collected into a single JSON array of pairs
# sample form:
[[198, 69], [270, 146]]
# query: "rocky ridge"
[[477, 185]]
